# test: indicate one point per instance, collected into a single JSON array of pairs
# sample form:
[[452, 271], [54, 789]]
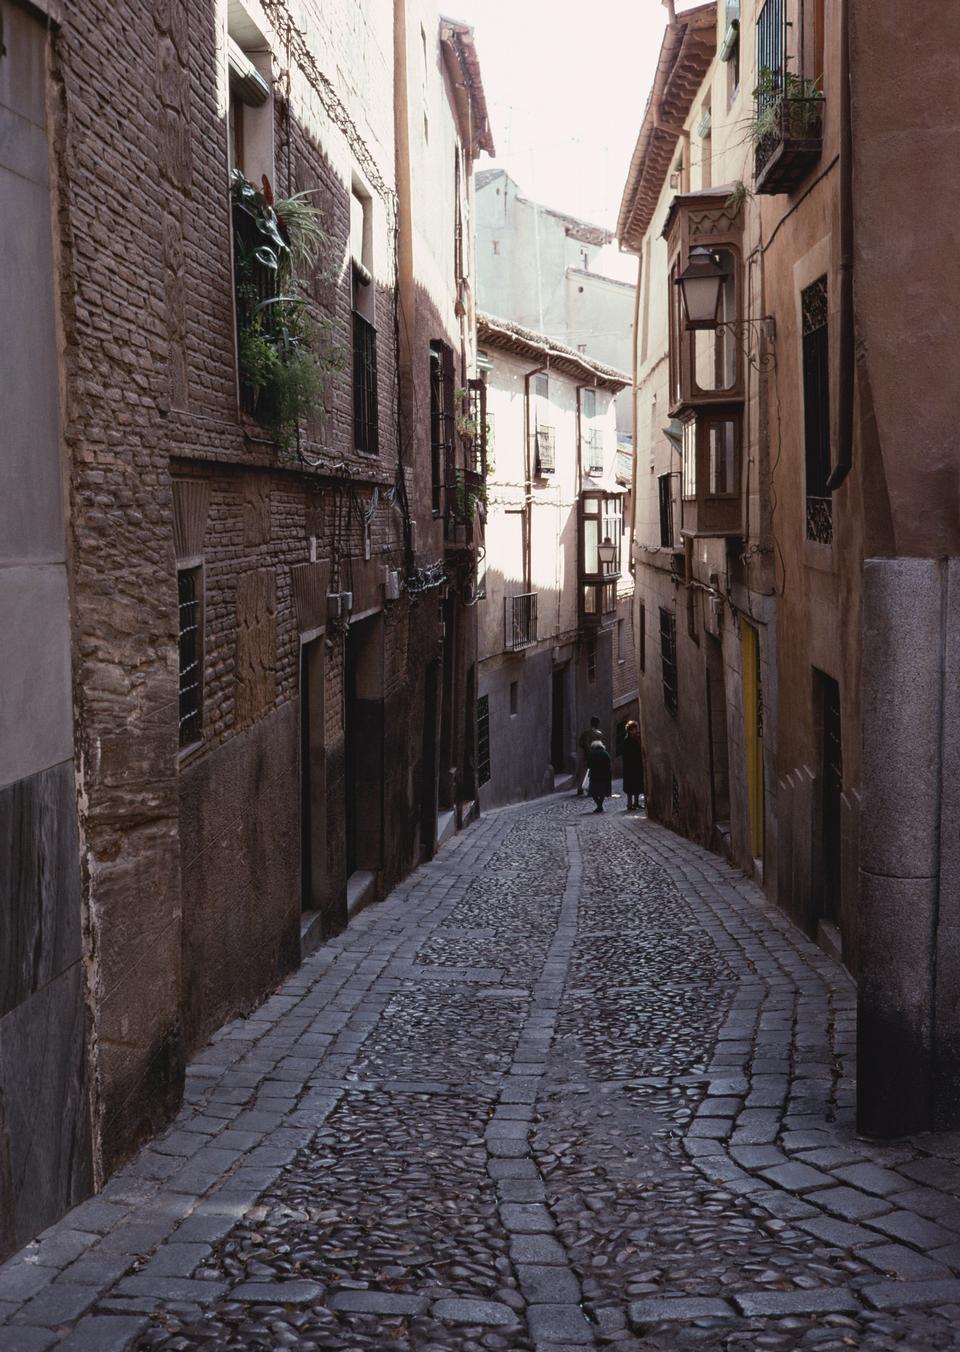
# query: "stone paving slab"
[[574, 1076]]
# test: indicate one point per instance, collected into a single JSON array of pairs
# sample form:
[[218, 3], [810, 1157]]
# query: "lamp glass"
[[701, 285]]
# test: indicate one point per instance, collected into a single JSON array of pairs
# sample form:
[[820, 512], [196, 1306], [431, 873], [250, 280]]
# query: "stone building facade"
[[779, 708], [245, 705], [551, 642]]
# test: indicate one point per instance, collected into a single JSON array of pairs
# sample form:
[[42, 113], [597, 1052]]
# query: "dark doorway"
[[558, 722], [428, 762], [312, 776], [717, 726], [827, 695], [363, 744], [447, 778]]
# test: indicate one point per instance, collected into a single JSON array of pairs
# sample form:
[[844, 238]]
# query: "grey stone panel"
[[895, 1024], [901, 690], [39, 882], [947, 998], [36, 720], [45, 1147]]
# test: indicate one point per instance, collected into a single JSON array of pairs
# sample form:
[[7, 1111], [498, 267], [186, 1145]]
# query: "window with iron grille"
[[442, 420], [546, 448], [666, 511], [190, 631], [816, 411], [365, 430], [483, 739], [477, 395], [771, 41], [668, 659], [593, 450]]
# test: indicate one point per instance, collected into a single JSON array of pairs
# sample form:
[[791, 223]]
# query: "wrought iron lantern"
[[607, 552], [701, 289]]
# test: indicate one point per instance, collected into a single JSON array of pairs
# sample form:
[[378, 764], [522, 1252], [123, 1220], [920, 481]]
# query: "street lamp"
[[701, 289], [607, 551]]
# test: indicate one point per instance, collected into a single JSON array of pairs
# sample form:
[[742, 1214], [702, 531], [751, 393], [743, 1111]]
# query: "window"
[[642, 637], [668, 659], [190, 629], [441, 419], [496, 246], [705, 132], [366, 437], [514, 699], [721, 434], [689, 453], [730, 50], [483, 739], [666, 511], [816, 411], [621, 652], [589, 398], [249, 113], [612, 529], [771, 29]]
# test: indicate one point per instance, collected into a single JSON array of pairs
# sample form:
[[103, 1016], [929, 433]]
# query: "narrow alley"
[[575, 1082]]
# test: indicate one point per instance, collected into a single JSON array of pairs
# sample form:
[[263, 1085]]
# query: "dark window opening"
[[190, 619], [668, 659], [642, 637], [483, 739], [365, 428], [816, 411], [666, 511]]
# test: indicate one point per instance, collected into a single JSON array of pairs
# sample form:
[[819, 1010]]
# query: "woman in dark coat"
[[632, 756], [600, 767]]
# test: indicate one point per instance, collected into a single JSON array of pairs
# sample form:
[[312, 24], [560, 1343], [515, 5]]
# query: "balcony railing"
[[789, 137], [520, 621]]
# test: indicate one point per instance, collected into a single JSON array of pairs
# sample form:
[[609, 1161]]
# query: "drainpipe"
[[847, 355]]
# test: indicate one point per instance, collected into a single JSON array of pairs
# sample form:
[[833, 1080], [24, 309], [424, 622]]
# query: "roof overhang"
[[512, 338], [688, 48], [463, 64]]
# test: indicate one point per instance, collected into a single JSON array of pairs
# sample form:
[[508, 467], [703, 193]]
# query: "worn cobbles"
[[573, 1084]]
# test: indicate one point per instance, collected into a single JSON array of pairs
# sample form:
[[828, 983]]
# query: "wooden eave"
[[513, 338], [686, 53]]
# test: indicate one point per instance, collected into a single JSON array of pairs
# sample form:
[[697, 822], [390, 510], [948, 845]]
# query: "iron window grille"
[[190, 642], [483, 739], [520, 621], [365, 425], [816, 411], [668, 659], [593, 450], [546, 449], [477, 400]]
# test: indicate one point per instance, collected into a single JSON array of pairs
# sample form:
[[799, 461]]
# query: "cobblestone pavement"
[[574, 1083]]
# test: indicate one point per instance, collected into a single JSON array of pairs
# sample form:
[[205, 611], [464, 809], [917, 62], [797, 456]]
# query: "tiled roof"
[[459, 36], [521, 342], [688, 48]]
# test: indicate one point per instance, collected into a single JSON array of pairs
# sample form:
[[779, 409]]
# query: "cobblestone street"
[[574, 1083]]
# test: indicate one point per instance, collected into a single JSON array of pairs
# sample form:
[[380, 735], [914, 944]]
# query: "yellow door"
[[753, 732]]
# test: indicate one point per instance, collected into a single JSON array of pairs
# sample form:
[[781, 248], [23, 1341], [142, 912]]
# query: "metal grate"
[[520, 621], [191, 654], [483, 739], [365, 426], [477, 396], [668, 659], [816, 411], [593, 451], [546, 445], [771, 48]]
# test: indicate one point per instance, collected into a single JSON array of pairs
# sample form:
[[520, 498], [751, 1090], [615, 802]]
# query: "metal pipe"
[[846, 344]]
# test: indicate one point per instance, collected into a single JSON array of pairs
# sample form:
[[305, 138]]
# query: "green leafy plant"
[[285, 353], [787, 105]]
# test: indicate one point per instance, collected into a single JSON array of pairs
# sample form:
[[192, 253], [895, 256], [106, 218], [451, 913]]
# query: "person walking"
[[632, 757], [586, 739], [600, 766]]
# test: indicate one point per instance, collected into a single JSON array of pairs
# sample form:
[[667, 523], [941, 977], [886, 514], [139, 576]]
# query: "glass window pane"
[[714, 350], [591, 506], [591, 538], [589, 600], [690, 458], [722, 457]]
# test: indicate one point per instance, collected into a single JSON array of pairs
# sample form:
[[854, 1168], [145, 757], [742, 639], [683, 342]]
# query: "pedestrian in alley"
[[587, 738], [632, 756], [600, 766]]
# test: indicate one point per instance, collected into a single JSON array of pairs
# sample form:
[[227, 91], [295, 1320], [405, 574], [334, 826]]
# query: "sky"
[[566, 86]]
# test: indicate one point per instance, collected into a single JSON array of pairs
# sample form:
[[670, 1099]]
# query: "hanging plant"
[[285, 353]]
